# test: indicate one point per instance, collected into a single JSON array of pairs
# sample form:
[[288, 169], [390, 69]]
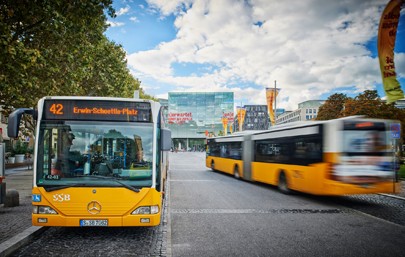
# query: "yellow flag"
[[225, 125], [241, 112], [271, 94], [387, 33]]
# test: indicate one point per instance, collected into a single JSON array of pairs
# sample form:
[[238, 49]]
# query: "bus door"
[[247, 157]]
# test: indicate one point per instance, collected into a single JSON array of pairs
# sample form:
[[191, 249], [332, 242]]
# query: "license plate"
[[93, 223]]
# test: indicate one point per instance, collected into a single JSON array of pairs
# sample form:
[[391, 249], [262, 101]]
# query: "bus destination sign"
[[98, 110]]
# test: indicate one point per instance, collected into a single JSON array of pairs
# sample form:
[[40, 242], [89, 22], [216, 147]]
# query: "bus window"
[[267, 151], [307, 150]]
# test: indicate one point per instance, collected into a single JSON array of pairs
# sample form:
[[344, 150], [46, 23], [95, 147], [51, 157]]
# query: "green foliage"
[[333, 107], [58, 47], [402, 171], [20, 147]]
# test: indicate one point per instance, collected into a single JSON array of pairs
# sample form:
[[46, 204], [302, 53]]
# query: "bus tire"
[[213, 166], [283, 184], [236, 172]]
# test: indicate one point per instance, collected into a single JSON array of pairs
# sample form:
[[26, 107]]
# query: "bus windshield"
[[91, 153], [367, 153]]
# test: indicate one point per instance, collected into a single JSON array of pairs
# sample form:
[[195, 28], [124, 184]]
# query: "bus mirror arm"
[[15, 118], [166, 139]]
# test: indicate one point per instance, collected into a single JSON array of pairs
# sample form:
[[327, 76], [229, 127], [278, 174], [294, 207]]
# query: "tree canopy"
[[333, 107], [57, 47]]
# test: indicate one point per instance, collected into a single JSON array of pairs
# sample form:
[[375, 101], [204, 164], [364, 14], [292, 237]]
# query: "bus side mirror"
[[166, 139], [14, 119]]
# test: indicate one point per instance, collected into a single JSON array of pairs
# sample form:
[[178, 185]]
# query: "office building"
[[194, 115], [307, 110]]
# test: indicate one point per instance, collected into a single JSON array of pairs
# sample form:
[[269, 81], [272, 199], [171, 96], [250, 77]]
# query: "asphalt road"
[[212, 214]]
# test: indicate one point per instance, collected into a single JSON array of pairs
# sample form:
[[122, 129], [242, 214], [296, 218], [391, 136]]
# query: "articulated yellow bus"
[[337, 157], [98, 161]]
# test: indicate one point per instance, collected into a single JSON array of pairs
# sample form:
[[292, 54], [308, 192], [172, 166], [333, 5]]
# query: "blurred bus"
[[344, 156], [98, 161]]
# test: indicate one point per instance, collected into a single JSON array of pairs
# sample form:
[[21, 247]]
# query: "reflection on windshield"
[[73, 152]]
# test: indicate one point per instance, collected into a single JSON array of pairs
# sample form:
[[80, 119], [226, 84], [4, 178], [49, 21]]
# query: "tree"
[[57, 47], [368, 103], [333, 107]]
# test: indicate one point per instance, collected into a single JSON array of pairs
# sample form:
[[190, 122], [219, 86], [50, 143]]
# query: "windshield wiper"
[[54, 188], [137, 190]]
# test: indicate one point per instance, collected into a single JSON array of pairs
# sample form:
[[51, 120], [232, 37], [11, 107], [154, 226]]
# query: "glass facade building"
[[193, 116]]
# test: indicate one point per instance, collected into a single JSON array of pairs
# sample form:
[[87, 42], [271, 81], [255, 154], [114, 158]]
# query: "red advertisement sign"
[[180, 117], [228, 116]]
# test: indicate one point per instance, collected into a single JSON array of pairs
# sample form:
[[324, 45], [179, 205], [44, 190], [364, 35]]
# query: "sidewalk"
[[15, 222]]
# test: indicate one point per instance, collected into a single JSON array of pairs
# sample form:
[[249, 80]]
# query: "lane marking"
[[393, 196], [192, 180], [259, 211]]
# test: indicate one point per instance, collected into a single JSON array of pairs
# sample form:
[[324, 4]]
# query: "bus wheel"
[[236, 173], [283, 184], [213, 166]]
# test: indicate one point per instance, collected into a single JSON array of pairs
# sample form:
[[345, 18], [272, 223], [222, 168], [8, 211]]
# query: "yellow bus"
[[98, 161], [352, 155]]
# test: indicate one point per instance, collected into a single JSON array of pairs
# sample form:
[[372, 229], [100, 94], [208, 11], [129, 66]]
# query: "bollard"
[[12, 198]]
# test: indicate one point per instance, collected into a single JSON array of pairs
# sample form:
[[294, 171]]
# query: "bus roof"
[[296, 124], [100, 98]]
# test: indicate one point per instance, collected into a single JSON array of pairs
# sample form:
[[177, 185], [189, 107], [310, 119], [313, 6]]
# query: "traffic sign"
[[395, 130]]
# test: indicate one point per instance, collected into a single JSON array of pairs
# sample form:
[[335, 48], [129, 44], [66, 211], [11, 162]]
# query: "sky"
[[309, 49]]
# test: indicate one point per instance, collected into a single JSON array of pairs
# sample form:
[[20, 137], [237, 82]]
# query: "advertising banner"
[[271, 94], [387, 33], [241, 112], [229, 116], [225, 125]]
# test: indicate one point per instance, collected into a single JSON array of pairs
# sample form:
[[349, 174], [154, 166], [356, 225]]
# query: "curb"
[[17, 241], [168, 217]]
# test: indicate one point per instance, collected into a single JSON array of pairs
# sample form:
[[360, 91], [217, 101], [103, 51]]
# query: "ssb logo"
[[61, 197]]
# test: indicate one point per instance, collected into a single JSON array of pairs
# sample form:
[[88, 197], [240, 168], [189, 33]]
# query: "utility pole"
[[275, 102]]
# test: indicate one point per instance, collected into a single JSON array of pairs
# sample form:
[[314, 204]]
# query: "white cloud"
[[400, 64], [134, 19], [123, 11], [310, 47], [168, 7], [115, 24]]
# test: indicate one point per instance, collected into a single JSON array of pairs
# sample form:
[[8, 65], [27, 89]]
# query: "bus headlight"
[[146, 210], [39, 209]]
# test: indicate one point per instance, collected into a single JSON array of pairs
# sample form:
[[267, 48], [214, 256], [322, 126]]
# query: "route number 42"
[[56, 109]]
